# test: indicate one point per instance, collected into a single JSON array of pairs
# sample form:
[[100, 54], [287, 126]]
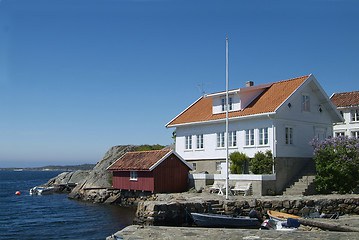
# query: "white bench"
[[242, 187], [218, 186]]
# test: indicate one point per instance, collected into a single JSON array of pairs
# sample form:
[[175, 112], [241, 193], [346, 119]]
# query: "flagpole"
[[227, 177]]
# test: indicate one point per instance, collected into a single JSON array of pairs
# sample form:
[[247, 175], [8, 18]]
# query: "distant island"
[[84, 167], [68, 168]]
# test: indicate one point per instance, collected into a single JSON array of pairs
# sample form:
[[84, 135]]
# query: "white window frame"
[[194, 165], [355, 115], [230, 104], [355, 134], [263, 136], [305, 103], [338, 134], [289, 135], [232, 139], [200, 142], [219, 166], [188, 142], [249, 137], [220, 140], [133, 175]]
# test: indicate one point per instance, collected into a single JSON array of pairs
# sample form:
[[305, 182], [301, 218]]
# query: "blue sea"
[[53, 216]]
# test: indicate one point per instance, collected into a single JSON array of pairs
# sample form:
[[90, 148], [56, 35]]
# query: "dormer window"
[[230, 104]]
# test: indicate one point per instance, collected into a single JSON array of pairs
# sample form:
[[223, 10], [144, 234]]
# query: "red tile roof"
[[345, 99], [139, 160], [268, 101]]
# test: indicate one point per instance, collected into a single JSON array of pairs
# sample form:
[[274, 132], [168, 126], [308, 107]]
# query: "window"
[[133, 175], [355, 134], [199, 141], [219, 166], [232, 140], [355, 115], [230, 104], [189, 142], [220, 139], [338, 134], [249, 137], [194, 166], [263, 136], [288, 135], [305, 103]]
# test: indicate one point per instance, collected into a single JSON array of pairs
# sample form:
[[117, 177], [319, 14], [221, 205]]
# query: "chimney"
[[249, 83]]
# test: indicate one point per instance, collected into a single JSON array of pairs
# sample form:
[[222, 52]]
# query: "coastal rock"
[[91, 188], [67, 178]]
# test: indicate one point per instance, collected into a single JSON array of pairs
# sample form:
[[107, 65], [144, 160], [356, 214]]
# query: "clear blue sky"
[[80, 76]]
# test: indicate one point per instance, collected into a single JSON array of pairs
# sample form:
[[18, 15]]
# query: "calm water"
[[52, 216]]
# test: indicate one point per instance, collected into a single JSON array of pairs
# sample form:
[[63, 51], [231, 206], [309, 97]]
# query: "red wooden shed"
[[155, 171]]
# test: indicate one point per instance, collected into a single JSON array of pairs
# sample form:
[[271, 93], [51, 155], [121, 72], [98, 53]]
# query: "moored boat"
[[279, 216], [217, 220], [41, 190]]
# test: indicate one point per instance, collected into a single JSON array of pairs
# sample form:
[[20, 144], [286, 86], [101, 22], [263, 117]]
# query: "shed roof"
[[143, 160], [268, 101], [345, 99]]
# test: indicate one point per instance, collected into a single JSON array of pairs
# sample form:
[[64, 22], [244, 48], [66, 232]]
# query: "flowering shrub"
[[337, 164]]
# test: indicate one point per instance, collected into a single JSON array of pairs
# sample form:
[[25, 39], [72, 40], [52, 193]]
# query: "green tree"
[[237, 161], [262, 163]]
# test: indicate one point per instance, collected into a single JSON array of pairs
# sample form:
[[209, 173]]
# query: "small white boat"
[[41, 190], [272, 224]]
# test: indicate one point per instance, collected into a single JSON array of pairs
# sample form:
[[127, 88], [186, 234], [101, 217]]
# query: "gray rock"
[[91, 187]]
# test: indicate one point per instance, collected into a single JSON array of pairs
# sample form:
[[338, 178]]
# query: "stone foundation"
[[176, 213]]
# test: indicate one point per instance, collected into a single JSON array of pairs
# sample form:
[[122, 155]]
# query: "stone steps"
[[300, 187], [303, 183]]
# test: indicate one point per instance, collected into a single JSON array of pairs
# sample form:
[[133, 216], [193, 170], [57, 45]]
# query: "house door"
[[320, 133]]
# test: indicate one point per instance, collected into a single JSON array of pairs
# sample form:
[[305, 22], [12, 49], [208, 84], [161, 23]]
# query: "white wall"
[[348, 126], [210, 150]]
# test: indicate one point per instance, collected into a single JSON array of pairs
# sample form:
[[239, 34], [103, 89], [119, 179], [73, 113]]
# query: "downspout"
[[274, 143]]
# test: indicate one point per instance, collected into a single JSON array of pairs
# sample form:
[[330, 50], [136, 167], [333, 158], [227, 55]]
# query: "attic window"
[[133, 175], [230, 104], [305, 103]]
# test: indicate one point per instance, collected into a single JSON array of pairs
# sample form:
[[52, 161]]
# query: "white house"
[[348, 105], [282, 117]]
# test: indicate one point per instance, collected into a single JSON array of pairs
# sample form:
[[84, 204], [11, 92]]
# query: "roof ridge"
[[150, 151], [347, 92], [292, 79]]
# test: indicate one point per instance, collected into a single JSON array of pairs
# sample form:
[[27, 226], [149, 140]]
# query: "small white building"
[[282, 117], [348, 105]]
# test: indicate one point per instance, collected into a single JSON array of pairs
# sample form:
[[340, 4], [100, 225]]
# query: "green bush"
[[237, 161], [337, 164], [149, 147], [262, 163]]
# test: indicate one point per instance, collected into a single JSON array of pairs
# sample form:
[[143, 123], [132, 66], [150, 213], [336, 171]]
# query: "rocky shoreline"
[[172, 209]]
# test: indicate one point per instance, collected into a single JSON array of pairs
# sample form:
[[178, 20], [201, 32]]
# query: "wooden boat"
[[279, 216], [216, 220]]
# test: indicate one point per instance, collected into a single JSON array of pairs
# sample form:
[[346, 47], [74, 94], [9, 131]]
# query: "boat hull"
[[215, 220], [279, 216]]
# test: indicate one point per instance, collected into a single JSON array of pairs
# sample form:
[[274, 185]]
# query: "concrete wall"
[[286, 169]]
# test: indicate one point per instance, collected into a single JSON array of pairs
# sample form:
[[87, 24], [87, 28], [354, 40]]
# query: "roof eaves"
[[296, 90], [223, 119], [160, 161]]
